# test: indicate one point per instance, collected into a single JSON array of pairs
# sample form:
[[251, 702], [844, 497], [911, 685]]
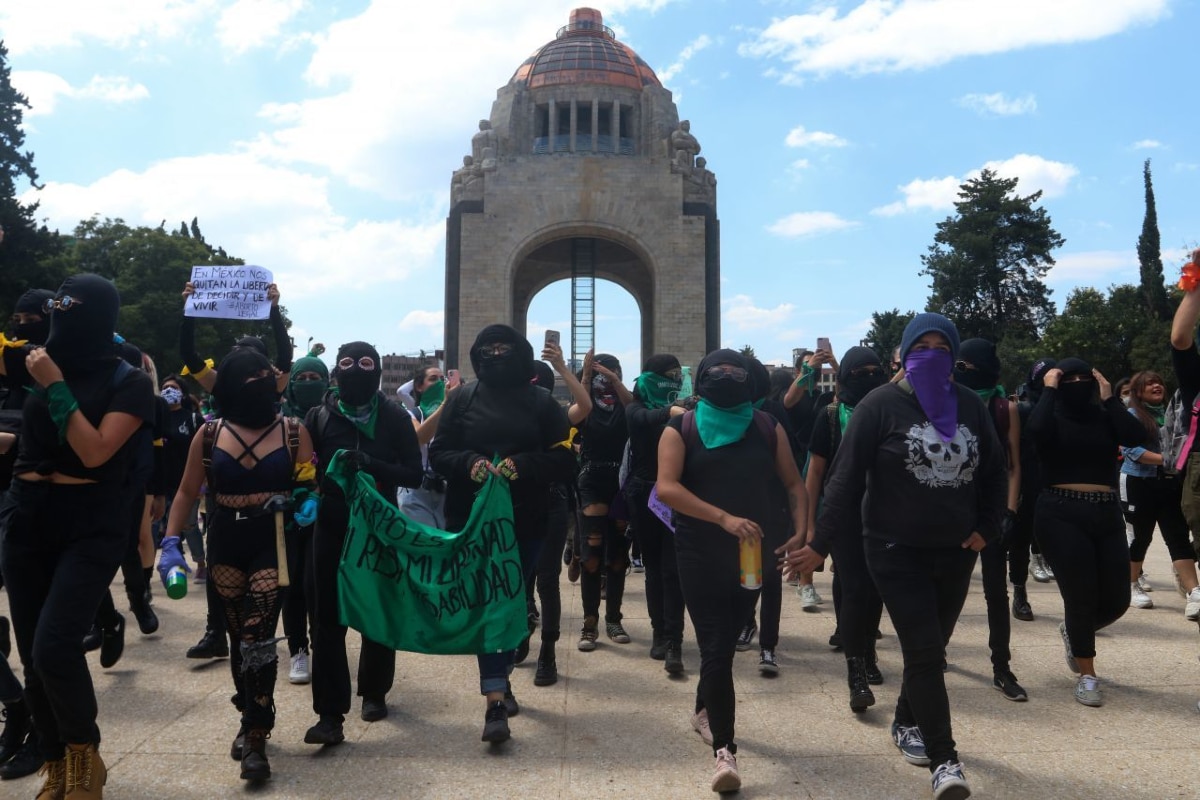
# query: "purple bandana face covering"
[[928, 372]]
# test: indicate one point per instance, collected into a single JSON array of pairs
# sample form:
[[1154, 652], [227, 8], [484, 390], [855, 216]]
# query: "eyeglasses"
[[495, 349], [365, 363], [64, 303], [859, 372], [963, 366], [724, 371]]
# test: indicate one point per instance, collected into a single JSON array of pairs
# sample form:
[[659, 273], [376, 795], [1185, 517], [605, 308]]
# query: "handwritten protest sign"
[[661, 510], [235, 292], [413, 587]]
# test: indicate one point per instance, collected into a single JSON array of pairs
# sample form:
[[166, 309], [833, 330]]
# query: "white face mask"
[[173, 395], [1125, 401]]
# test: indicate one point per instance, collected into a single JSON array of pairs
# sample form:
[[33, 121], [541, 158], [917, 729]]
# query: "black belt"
[[1087, 497], [249, 512], [434, 483]]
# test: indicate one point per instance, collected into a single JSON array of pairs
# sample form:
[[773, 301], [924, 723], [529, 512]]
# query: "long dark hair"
[[1138, 384]]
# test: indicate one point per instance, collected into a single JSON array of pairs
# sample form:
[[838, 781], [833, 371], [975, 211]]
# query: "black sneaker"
[[674, 658], [327, 731], [1006, 683], [510, 702], [28, 760], [17, 725], [547, 671], [112, 643], [495, 723], [1020, 604], [92, 639], [374, 709], [658, 648], [211, 645], [767, 664], [835, 641], [861, 696], [746, 637], [147, 620]]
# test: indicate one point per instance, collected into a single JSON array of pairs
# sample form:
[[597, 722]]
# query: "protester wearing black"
[[978, 368], [1022, 541], [856, 601], [925, 453], [66, 525], [1078, 425], [502, 417], [716, 468], [655, 400], [202, 371], [381, 440]]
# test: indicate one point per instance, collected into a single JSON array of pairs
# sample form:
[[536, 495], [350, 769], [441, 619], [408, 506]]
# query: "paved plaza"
[[616, 725]]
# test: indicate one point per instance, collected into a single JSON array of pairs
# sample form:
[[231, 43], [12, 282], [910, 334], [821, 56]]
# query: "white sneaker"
[[1192, 609], [1138, 598], [700, 725], [1038, 568], [809, 599], [1144, 583], [726, 778], [1087, 691], [299, 672], [949, 782]]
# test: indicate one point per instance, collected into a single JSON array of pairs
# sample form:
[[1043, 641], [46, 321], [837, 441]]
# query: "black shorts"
[[247, 545], [599, 483]]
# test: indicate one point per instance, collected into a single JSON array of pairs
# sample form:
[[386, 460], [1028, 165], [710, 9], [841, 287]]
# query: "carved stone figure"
[[684, 148], [483, 146], [467, 182]]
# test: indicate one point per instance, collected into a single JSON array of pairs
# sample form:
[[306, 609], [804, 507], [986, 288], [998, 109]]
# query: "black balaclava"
[[724, 392], [130, 354], [356, 386], [513, 369], [982, 355], [853, 388], [761, 378], [604, 394], [33, 302], [242, 398], [81, 337], [1037, 377], [1077, 397], [253, 343], [543, 375]]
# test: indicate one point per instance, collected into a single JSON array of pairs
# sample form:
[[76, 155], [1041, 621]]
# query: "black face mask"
[[724, 392], [35, 332], [855, 387], [252, 405], [975, 379], [1078, 395], [81, 336], [356, 386], [306, 394], [506, 370]]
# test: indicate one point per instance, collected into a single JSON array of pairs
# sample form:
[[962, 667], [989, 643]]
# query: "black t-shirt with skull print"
[[913, 487]]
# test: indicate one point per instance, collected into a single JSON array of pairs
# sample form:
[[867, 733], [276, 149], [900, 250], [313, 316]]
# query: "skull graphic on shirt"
[[938, 463]]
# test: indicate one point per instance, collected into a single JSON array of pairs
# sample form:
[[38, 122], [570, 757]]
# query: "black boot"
[[147, 620], [93, 638], [255, 766], [658, 647], [211, 645], [861, 696], [27, 760], [547, 669], [874, 676], [674, 658], [16, 727], [1020, 606], [112, 644]]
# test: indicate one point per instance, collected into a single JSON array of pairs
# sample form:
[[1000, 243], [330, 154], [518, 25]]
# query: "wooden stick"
[[281, 550]]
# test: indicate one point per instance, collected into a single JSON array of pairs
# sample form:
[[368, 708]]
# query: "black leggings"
[[856, 601], [664, 598], [1157, 501], [549, 566], [295, 604], [1085, 545], [924, 589], [244, 568], [994, 560]]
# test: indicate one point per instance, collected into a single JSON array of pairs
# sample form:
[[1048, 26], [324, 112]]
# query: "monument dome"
[[585, 51]]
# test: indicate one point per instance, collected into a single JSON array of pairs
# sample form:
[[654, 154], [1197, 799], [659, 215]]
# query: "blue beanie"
[[924, 323]]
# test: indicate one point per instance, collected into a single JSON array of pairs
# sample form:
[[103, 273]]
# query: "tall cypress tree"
[[1149, 250]]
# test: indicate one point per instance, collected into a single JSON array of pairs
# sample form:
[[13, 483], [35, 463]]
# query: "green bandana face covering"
[[986, 395], [721, 426], [432, 397], [306, 394], [363, 417], [656, 391]]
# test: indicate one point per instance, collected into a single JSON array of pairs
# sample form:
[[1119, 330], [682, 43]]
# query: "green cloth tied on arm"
[[721, 426], [432, 397], [807, 376], [62, 405]]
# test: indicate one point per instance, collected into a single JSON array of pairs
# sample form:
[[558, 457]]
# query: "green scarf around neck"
[[721, 426], [844, 414], [986, 395], [1158, 412], [363, 417], [431, 398], [655, 390]]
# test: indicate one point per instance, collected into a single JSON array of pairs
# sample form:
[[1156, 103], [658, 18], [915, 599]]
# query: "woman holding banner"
[[251, 458], [502, 418], [379, 438]]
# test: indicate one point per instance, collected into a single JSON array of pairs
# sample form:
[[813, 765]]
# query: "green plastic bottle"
[[177, 583]]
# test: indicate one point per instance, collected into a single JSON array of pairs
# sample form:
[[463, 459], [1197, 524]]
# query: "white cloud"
[[895, 35], [740, 312], [799, 137], [1093, 267], [1034, 173], [809, 223], [44, 89], [699, 43], [49, 24], [800, 164], [1147, 144], [247, 24], [423, 325], [999, 104]]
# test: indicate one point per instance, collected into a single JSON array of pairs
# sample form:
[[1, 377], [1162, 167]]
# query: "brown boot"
[[86, 773], [55, 785], [255, 766]]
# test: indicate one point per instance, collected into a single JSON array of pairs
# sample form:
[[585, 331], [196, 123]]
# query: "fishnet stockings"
[[251, 604]]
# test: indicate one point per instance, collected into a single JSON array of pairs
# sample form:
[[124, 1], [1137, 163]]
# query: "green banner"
[[414, 587]]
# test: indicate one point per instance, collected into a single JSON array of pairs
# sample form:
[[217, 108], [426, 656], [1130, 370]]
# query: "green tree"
[[886, 331], [1149, 250], [987, 262], [29, 252], [747, 351]]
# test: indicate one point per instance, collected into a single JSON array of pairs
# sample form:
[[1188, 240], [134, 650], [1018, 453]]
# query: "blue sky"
[[318, 139]]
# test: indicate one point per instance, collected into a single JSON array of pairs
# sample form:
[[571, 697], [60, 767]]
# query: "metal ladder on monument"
[[583, 299]]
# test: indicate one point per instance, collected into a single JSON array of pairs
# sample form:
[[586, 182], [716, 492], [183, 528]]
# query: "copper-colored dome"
[[585, 51]]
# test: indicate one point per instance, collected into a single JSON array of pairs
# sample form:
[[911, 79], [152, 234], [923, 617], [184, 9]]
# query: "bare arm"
[[1183, 326], [428, 429], [814, 482], [1014, 457], [785, 467], [581, 398]]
